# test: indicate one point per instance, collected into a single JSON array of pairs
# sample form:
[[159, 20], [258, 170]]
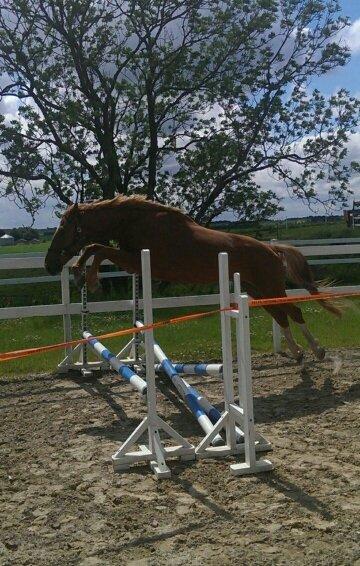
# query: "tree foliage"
[[24, 233], [187, 101]]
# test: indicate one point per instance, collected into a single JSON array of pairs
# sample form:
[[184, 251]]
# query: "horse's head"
[[67, 241]]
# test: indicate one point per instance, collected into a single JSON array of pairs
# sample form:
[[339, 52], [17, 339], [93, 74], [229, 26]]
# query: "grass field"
[[24, 248], [191, 341]]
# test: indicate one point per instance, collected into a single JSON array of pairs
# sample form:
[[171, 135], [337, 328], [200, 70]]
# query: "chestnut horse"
[[181, 251]]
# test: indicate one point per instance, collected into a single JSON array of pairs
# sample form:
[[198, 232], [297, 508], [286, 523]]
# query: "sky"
[[346, 77]]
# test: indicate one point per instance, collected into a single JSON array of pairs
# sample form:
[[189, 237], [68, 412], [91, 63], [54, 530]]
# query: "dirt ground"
[[61, 502]]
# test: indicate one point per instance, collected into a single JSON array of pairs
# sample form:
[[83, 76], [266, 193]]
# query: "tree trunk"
[[208, 202], [153, 148], [114, 183]]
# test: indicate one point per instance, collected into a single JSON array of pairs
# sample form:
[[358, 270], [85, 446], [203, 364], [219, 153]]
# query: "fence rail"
[[324, 241]]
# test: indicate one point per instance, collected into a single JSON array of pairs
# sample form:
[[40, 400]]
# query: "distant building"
[[352, 217], [7, 240]]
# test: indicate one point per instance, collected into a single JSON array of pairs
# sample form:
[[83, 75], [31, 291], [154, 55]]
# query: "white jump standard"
[[155, 451], [207, 415], [234, 415]]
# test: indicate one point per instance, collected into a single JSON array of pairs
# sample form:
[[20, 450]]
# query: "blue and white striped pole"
[[214, 414], [211, 411], [122, 369], [214, 370], [190, 395]]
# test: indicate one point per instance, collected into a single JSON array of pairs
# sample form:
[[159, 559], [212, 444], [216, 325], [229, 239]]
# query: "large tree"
[[184, 100]]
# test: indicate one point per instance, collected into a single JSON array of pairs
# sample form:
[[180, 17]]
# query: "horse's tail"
[[298, 271]]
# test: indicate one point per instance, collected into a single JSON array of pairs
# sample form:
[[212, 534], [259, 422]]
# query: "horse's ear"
[[74, 209]]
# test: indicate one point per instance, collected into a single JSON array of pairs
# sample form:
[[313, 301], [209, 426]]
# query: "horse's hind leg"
[[318, 350], [281, 318], [276, 288], [296, 315], [279, 315]]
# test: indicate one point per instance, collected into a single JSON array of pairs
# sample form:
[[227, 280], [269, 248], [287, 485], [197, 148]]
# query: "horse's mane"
[[138, 200]]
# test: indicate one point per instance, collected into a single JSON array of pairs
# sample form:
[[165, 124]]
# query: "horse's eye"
[[78, 230], [63, 252]]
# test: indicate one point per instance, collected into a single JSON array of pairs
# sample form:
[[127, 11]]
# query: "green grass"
[[24, 248], [190, 341]]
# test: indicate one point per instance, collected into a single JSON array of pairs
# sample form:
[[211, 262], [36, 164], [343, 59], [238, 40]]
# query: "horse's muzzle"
[[52, 264]]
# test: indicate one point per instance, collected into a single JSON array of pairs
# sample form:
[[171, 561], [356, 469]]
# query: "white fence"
[[322, 251]]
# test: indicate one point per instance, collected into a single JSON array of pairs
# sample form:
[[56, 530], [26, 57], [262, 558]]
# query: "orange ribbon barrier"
[[301, 299], [7, 356]]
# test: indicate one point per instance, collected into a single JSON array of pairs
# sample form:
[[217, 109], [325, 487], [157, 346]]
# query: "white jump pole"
[[155, 451], [122, 369], [136, 314], [231, 415]]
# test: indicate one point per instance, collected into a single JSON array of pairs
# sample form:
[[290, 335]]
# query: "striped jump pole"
[[122, 369], [200, 407], [211, 411], [214, 370]]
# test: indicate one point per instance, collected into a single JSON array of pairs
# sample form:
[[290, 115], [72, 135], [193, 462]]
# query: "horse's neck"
[[114, 222], [129, 223]]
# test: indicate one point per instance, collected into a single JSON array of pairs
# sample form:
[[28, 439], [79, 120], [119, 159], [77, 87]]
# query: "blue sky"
[[347, 77]]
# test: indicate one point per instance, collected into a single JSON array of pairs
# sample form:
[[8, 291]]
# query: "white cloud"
[[295, 207], [9, 108], [351, 36]]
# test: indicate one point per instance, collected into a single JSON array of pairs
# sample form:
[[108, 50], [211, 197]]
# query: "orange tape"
[[300, 299], [16, 354]]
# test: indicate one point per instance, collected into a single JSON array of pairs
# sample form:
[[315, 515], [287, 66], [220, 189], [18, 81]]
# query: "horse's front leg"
[[78, 268], [130, 261]]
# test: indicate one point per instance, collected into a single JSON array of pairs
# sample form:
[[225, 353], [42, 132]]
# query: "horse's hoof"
[[320, 353]]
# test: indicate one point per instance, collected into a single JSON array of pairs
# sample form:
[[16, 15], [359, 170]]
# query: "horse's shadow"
[[302, 400]]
